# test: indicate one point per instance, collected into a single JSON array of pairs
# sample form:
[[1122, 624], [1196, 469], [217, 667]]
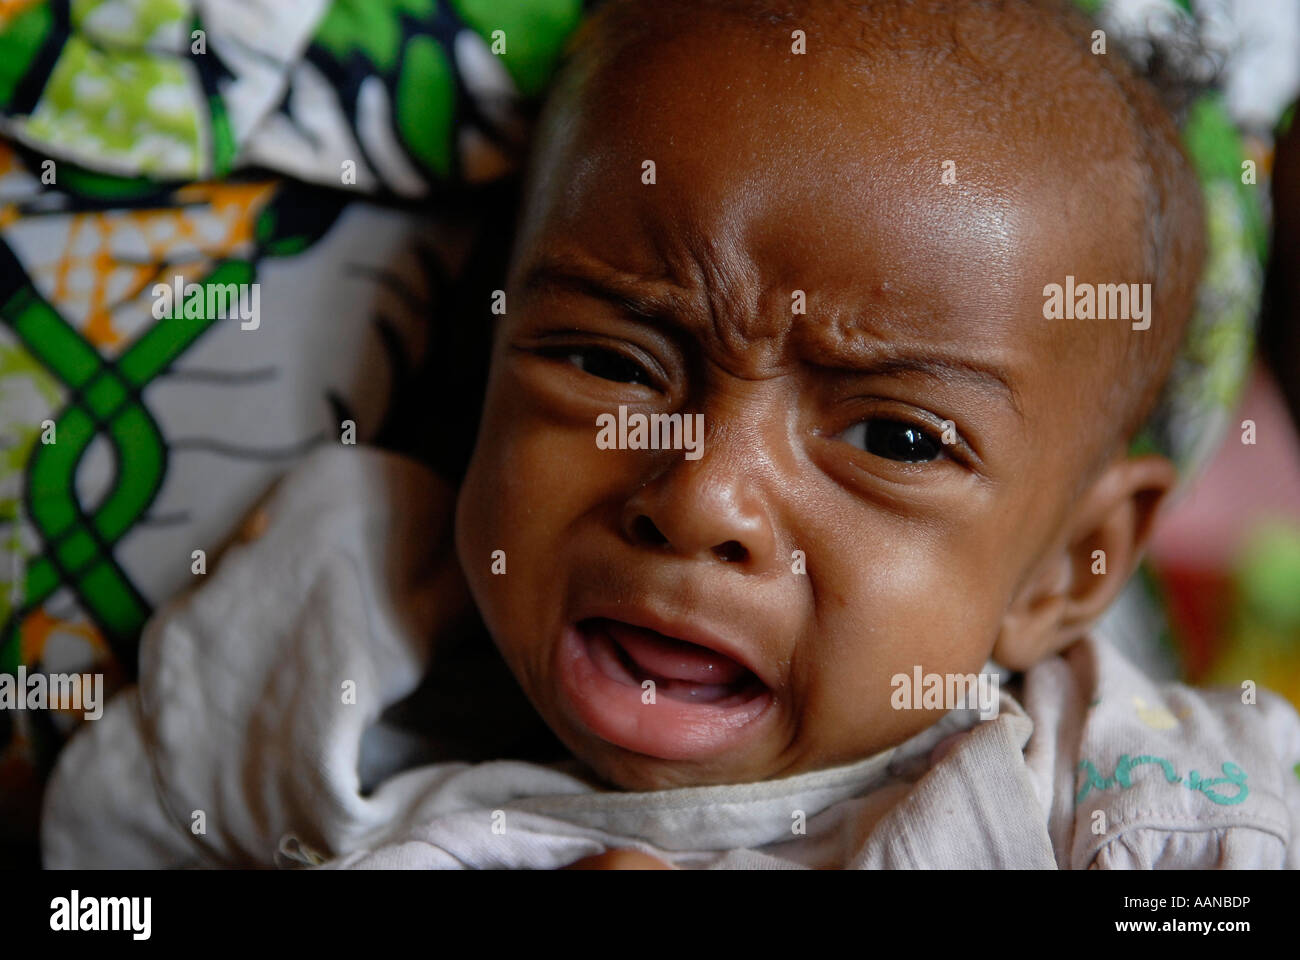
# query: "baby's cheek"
[[909, 608], [529, 481], [502, 506]]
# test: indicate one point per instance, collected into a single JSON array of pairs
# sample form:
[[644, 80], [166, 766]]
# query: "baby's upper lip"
[[679, 627]]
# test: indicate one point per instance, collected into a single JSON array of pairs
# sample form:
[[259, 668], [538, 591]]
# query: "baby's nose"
[[695, 513], [645, 533]]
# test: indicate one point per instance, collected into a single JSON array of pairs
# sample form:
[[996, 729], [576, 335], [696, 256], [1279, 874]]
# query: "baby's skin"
[[830, 536]]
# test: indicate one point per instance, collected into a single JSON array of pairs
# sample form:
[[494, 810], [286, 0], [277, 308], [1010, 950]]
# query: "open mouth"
[[703, 702], [680, 670]]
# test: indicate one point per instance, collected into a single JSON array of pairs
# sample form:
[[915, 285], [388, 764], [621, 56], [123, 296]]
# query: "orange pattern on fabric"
[[230, 208], [11, 8], [37, 627]]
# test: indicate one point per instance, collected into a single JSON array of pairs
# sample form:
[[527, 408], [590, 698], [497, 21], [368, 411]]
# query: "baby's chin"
[[623, 770]]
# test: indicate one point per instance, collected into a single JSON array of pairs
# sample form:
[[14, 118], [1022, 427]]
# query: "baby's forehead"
[[723, 99], [719, 133], [1001, 60]]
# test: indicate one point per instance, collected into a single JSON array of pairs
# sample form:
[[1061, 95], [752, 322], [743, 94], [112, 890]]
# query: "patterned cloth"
[[394, 94], [119, 114]]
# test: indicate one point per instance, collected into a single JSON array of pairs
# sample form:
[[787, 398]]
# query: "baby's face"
[[827, 538]]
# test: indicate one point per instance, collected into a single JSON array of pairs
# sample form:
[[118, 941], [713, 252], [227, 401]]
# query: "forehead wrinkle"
[[730, 280], [697, 311], [846, 329], [650, 297], [874, 353]]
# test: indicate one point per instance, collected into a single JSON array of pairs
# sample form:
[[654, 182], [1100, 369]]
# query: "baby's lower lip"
[[698, 702]]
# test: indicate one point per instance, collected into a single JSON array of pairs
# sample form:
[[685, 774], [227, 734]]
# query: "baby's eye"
[[606, 364], [894, 440]]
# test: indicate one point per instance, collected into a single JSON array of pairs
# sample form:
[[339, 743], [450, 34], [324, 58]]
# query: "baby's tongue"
[[673, 659]]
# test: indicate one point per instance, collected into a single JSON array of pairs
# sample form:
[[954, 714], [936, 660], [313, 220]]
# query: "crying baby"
[[831, 266]]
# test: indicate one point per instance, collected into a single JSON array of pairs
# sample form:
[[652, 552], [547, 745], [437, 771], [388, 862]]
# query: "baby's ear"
[[1083, 573]]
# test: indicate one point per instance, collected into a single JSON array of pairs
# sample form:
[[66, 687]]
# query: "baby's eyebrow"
[[946, 369], [639, 296]]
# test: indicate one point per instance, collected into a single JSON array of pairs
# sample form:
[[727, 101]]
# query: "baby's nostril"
[[645, 531], [731, 552]]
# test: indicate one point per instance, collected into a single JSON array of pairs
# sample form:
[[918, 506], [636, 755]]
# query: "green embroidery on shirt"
[[1123, 778]]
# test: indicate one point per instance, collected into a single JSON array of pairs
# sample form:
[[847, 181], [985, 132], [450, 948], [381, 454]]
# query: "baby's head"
[[839, 259]]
